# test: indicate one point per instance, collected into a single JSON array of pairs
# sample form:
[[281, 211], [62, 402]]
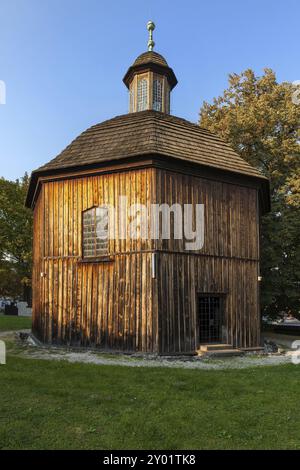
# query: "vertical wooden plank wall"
[[117, 304], [38, 314], [227, 264], [103, 304]]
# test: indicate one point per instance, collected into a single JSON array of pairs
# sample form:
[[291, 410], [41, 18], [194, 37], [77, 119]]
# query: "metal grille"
[[157, 95], [131, 99], [210, 319], [95, 232], [142, 93]]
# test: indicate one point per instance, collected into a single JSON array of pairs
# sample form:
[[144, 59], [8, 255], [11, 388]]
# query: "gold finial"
[[151, 28]]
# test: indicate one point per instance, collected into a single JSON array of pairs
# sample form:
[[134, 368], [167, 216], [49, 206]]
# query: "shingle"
[[150, 132], [150, 56]]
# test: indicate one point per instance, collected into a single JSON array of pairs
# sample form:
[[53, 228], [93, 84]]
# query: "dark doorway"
[[210, 319]]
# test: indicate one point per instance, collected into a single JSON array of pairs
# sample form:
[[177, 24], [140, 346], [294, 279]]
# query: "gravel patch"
[[31, 350], [88, 357]]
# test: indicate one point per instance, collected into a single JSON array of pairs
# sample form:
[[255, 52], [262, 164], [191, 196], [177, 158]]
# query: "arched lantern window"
[[142, 94], [131, 99], [95, 232], [157, 95]]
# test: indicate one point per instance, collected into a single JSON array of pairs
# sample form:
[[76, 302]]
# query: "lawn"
[[10, 323], [58, 405]]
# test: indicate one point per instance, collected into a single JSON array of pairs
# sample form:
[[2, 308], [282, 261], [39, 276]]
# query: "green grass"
[[10, 323], [57, 405]]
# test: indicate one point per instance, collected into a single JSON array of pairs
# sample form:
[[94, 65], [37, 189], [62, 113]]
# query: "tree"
[[258, 117], [15, 238]]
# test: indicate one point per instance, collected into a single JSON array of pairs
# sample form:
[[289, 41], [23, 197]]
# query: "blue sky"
[[63, 61]]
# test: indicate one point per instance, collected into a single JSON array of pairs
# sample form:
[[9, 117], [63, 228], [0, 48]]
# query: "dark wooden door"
[[210, 319]]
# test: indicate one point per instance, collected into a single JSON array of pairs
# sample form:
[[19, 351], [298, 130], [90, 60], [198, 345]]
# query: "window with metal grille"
[[210, 318], [142, 93], [157, 95], [95, 232], [131, 99]]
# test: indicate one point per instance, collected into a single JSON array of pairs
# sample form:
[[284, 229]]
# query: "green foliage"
[[257, 116], [15, 238]]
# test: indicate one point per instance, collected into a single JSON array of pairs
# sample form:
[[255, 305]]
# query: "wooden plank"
[[118, 304]]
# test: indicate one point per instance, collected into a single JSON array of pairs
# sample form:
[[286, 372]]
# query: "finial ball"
[[150, 26]]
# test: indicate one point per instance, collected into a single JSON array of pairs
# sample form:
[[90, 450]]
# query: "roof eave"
[[161, 69], [261, 180]]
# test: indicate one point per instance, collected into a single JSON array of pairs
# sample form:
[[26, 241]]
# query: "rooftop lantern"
[[150, 80]]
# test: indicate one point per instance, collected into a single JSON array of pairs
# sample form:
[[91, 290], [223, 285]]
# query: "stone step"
[[214, 347], [230, 352], [224, 353], [256, 349]]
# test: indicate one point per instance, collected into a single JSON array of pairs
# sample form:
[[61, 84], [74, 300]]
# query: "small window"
[[142, 93], [95, 232], [131, 99], [157, 95]]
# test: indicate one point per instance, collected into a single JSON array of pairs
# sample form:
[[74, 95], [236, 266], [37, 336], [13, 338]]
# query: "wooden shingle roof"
[[150, 132], [147, 133], [150, 60], [150, 57]]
